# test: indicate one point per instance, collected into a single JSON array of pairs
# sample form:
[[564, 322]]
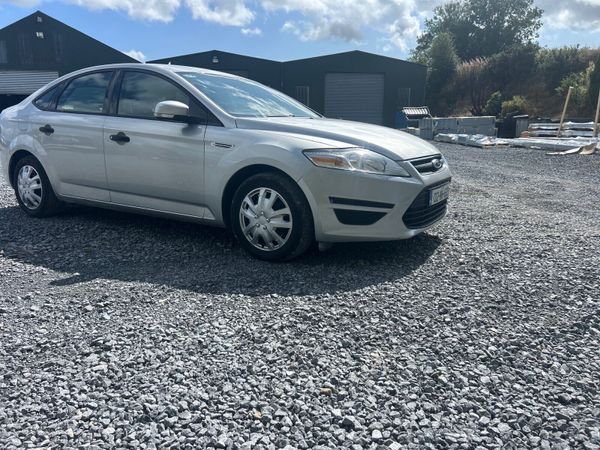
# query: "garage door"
[[24, 82], [354, 96]]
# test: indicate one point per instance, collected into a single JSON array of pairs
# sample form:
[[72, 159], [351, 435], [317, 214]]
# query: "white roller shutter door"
[[24, 82]]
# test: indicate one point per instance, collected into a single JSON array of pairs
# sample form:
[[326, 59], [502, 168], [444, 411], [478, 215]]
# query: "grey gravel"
[[121, 331]]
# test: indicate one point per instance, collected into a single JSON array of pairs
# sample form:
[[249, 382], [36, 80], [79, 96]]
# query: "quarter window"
[[44, 101], [85, 94], [140, 92]]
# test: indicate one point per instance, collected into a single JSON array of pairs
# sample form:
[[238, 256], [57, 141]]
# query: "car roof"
[[159, 68]]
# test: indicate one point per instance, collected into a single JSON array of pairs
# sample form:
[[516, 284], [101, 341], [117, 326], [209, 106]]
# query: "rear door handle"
[[120, 138], [47, 130]]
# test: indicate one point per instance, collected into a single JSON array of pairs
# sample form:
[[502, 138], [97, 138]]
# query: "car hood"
[[394, 144]]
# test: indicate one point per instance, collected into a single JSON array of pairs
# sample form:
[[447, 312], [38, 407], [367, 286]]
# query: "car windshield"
[[245, 98]]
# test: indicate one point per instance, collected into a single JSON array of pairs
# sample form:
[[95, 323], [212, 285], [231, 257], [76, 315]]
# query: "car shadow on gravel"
[[88, 243]]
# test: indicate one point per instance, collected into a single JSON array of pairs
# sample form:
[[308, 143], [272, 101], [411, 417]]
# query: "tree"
[[482, 28], [581, 84], [554, 64], [442, 66]]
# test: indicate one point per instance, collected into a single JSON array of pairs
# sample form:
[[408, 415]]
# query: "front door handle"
[[47, 130], [120, 138]]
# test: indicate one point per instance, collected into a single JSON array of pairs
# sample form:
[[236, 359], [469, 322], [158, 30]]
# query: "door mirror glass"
[[171, 109]]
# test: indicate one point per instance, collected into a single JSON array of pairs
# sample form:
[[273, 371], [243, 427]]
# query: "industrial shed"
[[354, 85], [38, 49], [264, 71]]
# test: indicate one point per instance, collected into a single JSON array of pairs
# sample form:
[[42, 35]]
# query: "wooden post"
[[564, 113], [596, 124]]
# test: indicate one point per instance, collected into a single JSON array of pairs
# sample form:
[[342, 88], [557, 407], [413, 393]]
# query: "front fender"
[[247, 149]]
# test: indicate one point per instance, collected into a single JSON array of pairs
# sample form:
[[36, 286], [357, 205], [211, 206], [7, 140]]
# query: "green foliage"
[[472, 79], [442, 66], [554, 64], [482, 28], [580, 82], [509, 68], [493, 107], [515, 106], [594, 84]]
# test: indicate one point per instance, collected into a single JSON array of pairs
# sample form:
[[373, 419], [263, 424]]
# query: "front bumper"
[[350, 207]]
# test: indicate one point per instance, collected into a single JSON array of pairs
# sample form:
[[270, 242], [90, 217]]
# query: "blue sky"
[[278, 29]]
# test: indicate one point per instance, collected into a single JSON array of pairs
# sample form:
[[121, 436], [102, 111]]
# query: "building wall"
[[264, 71], [398, 75], [62, 48]]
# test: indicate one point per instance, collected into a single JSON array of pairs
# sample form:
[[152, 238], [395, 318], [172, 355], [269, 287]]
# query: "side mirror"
[[171, 109]]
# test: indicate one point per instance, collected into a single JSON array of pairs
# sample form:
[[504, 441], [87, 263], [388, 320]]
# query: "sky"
[[279, 29]]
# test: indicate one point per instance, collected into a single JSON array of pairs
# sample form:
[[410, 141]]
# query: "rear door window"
[[85, 94]]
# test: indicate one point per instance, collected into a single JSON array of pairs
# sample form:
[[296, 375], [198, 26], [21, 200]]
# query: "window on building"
[[39, 34], [302, 94], [3, 53], [85, 94], [140, 92], [39, 19]]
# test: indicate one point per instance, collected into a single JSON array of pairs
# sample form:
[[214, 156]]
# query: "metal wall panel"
[[24, 82], [355, 96]]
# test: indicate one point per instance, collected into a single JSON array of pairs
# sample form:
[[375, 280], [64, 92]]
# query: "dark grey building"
[[38, 49], [264, 71], [354, 85]]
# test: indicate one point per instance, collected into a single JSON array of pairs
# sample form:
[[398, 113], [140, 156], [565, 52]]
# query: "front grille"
[[420, 214], [426, 165]]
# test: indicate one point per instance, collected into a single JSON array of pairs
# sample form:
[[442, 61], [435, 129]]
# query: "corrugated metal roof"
[[24, 82], [416, 112]]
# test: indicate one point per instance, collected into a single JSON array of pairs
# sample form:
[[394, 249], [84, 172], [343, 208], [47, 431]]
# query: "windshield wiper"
[[282, 115]]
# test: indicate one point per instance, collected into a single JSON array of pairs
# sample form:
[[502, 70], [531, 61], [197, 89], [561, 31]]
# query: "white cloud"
[[395, 24], [21, 3], [224, 12], [136, 54], [575, 15], [251, 31], [350, 20], [155, 10]]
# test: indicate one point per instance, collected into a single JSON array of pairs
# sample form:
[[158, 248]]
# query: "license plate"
[[439, 194]]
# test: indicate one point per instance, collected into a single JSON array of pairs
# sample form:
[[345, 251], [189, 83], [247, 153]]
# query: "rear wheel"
[[271, 217], [33, 190]]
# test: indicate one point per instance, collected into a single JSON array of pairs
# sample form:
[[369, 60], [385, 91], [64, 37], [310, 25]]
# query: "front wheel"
[[271, 217]]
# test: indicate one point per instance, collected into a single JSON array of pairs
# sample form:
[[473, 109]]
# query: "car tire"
[[271, 217], [33, 189]]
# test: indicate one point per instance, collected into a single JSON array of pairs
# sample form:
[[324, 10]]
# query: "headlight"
[[356, 159]]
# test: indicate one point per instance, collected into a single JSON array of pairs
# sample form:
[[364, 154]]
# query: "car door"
[[70, 129], [154, 163]]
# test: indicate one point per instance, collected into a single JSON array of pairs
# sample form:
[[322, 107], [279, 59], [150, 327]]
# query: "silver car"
[[200, 145]]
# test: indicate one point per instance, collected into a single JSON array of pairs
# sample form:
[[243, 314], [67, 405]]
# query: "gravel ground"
[[124, 331]]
